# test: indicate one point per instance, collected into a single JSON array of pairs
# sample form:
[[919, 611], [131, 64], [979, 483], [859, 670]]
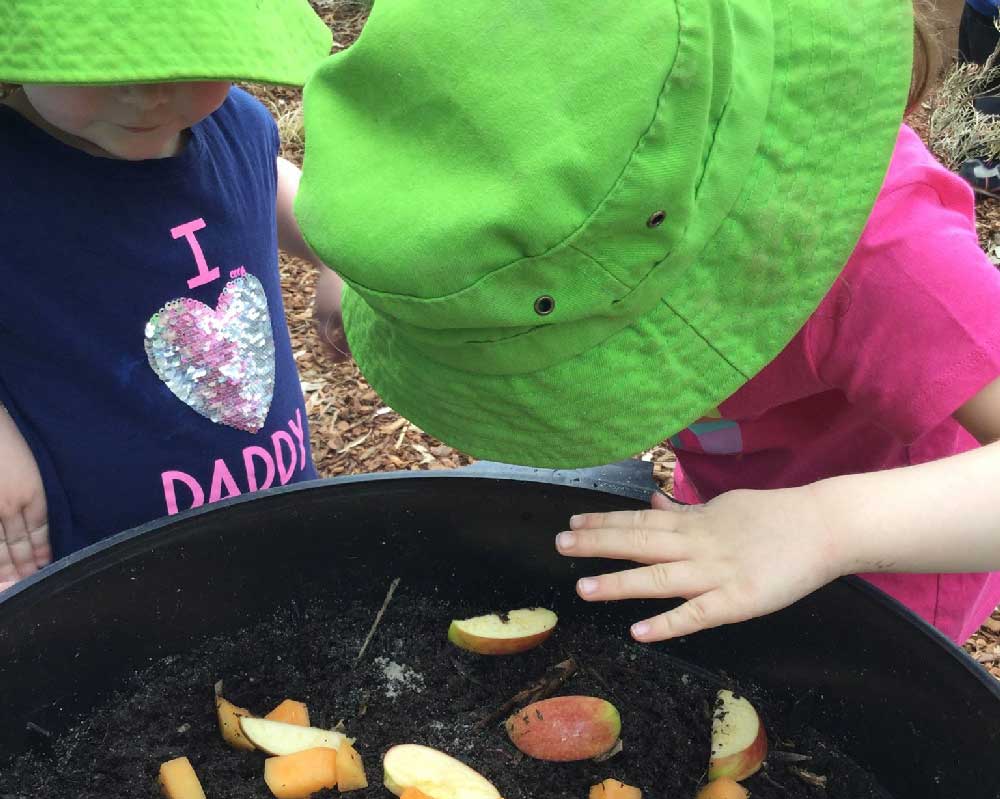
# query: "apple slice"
[[229, 716], [280, 738], [438, 775], [503, 634], [739, 743], [565, 728]]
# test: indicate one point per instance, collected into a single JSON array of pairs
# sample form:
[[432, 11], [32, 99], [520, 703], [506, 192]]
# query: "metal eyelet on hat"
[[545, 305], [656, 219]]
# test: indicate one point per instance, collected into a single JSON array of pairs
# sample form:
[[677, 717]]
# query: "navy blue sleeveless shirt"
[[144, 353]]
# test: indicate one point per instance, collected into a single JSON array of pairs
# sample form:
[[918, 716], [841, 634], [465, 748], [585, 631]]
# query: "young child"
[[145, 364], [570, 232]]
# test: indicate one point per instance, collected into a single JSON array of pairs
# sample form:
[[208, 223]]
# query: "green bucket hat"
[[137, 41], [569, 227]]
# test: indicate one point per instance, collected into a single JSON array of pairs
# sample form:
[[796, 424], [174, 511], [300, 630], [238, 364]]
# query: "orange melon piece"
[[414, 793], [350, 769], [613, 789], [723, 788], [302, 774], [290, 712], [178, 780]]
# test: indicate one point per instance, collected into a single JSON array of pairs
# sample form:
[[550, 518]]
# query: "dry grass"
[[957, 131]]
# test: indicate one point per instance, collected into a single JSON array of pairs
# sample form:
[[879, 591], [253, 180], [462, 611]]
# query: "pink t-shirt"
[[907, 334]]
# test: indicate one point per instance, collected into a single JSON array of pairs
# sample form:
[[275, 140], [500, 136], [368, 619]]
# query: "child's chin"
[[143, 150]]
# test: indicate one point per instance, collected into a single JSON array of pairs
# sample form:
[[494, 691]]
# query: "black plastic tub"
[[912, 708]]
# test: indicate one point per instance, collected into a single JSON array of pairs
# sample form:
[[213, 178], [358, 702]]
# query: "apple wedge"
[[438, 775], [281, 738], [565, 728], [229, 716], [503, 634], [739, 743]]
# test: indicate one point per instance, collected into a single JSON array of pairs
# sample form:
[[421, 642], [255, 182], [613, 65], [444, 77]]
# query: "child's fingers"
[[36, 520], [659, 581], [699, 613], [8, 571], [624, 520], [41, 551], [641, 544], [15, 532]]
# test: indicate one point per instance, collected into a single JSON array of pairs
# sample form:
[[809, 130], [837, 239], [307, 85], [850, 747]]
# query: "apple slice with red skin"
[[565, 728], [281, 738], [503, 634], [739, 742], [436, 774]]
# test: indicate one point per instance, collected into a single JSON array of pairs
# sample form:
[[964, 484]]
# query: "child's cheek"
[[204, 98], [72, 109]]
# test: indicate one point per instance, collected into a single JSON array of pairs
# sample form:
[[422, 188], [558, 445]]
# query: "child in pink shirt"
[[908, 333]]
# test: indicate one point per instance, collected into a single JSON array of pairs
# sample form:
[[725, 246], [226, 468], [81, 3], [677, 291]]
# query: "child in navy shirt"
[[145, 363]]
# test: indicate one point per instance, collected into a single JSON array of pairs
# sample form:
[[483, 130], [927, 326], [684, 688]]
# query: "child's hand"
[[24, 531], [327, 314], [744, 554]]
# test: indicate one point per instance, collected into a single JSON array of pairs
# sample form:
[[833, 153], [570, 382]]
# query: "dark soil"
[[415, 687]]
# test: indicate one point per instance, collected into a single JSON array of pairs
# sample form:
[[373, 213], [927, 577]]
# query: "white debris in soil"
[[398, 678]]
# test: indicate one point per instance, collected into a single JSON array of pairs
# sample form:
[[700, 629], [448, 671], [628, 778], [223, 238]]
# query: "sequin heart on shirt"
[[218, 362]]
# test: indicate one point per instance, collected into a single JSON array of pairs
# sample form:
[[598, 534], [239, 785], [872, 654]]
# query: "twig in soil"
[[763, 773], [378, 619], [598, 678], [32, 727], [553, 680], [808, 777], [788, 757]]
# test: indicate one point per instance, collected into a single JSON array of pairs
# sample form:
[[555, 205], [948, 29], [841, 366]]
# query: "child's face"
[[132, 121]]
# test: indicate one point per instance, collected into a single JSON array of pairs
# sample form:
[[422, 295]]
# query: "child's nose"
[[145, 95]]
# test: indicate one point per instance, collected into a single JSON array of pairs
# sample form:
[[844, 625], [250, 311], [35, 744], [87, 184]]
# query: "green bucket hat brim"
[[757, 264], [96, 42]]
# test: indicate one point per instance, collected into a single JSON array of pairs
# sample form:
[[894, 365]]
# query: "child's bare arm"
[[326, 307], [24, 532], [748, 553]]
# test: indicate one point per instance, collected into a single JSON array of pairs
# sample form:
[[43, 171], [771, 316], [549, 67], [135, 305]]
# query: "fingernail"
[[640, 629], [587, 585], [575, 522], [565, 540]]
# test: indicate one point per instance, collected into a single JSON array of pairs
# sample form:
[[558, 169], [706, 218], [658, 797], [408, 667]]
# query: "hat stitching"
[[708, 343]]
